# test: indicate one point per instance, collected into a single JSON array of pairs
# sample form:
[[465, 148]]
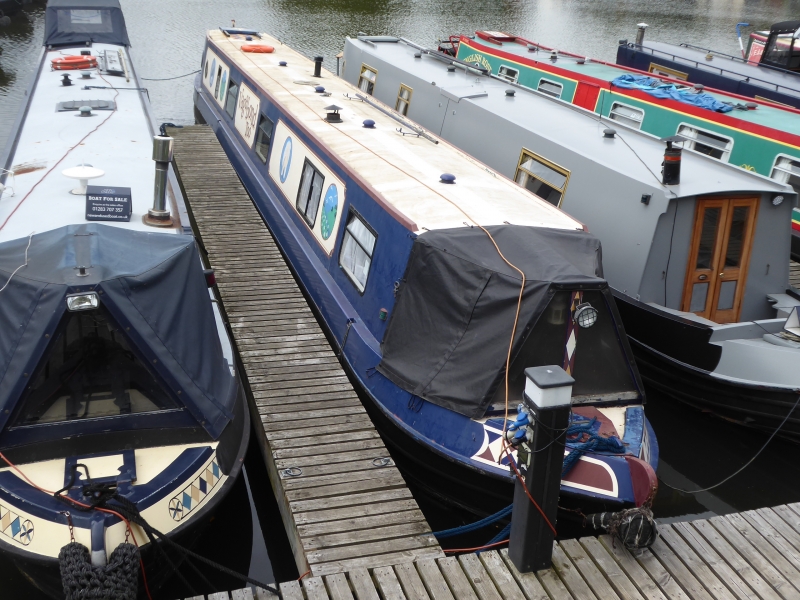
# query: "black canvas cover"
[[76, 22], [152, 285], [447, 338]]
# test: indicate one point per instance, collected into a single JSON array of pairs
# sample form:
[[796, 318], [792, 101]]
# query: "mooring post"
[[548, 393]]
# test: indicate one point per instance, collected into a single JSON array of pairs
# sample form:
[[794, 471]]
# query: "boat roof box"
[[78, 22]]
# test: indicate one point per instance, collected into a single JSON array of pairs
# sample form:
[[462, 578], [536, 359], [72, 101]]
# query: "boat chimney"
[[671, 167], [158, 216], [317, 66], [640, 33]]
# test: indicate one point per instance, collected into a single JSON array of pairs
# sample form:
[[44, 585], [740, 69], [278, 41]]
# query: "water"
[[697, 450]]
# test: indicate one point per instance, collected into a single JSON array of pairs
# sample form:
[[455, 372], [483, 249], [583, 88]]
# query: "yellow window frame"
[[400, 98], [525, 153]]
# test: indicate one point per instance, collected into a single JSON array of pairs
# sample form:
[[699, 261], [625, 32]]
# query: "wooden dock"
[[742, 556], [343, 502]]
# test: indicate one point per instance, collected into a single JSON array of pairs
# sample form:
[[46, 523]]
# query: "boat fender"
[[635, 528], [258, 48], [79, 576], [71, 63]]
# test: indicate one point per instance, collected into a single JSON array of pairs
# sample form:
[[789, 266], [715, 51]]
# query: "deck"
[[351, 509], [741, 556]]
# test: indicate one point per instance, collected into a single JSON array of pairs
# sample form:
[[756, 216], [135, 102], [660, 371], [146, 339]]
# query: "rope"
[[586, 440], [118, 580], [446, 533], [169, 78], [25, 264]]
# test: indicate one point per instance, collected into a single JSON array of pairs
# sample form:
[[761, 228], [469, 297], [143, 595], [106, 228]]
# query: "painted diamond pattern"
[[191, 496], [14, 527]]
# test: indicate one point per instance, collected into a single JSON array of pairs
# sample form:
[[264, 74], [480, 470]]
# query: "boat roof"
[[766, 115], [402, 169], [636, 155], [785, 27], [80, 22], [118, 142]]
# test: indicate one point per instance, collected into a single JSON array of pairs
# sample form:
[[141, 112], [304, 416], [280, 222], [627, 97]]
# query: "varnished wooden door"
[[719, 256]]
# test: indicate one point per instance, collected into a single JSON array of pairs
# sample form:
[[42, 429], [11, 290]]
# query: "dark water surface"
[[697, 450]]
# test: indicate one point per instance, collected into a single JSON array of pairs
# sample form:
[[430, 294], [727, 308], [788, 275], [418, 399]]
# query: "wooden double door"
[[719, 256]]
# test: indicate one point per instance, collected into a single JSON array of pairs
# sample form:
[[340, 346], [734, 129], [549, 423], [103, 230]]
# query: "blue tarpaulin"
[[656, 88]]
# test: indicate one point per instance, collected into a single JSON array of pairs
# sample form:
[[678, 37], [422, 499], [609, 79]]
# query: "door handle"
[[702, 277], [721, 274]]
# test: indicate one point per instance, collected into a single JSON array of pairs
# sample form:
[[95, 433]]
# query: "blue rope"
[[594, 443], [503, 535], [446, 533]]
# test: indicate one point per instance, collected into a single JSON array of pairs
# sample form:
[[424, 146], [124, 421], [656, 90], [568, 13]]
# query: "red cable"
[[476, 549], [527, 493], [304, 574], [78, 503]]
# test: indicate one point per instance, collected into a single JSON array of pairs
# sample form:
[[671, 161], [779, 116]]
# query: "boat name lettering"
[[480, 59]]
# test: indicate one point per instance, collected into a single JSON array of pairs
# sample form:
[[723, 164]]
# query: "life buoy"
[[257, 48], [71, 63]]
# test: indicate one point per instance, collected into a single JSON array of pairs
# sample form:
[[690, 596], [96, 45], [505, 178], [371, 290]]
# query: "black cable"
[[169, 78], [669, 255], [747, 464]]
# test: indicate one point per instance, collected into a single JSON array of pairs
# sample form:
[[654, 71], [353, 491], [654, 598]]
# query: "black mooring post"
[[548, 391]]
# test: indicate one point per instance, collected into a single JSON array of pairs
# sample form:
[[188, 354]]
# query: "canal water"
[[697, 450]]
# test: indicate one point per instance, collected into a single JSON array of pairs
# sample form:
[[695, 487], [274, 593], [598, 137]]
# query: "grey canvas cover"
[[447, 338], [152, 285], [76, 22]]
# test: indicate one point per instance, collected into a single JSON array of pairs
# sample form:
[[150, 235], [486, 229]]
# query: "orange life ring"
[[71, 63], [257, 48]]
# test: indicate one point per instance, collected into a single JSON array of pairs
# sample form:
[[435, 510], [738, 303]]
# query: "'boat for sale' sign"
[[108, 204]]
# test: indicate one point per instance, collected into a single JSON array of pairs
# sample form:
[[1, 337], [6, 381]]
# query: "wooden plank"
[[306, 451], [768, 571], [321, 440], [359, 536], [570, 575], [501, 576], [391, 517], [366, 549], [351, 500], [355, 456], [694, 564], [363, 586], [554, 586], [196, 598], [622, 585], [388, 585], [767, 519], [588, 569], [219, 596], [262, 594], [412, 585], [243, 594], [432, 579], [771, 544], [338, 588], [384, 475], [291, 590], [456, 579], [638, 576], [478, 577], [315, 588], [528, 583], [729, 566], [377, 560]]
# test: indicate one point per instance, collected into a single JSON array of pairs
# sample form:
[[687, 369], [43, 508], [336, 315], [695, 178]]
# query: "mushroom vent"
[[333, 115]]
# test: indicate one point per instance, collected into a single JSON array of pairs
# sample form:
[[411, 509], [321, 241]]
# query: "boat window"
[[90, 372], [310, 192], [787, 170], [263, 138], [216, 85], [627, 114], [230, 100], [779, 51], [403, 99], [85, 21], [542, 177], [551, 88], [366, 81], [357, 247], [509, 74], [705, 142], [657, 69]]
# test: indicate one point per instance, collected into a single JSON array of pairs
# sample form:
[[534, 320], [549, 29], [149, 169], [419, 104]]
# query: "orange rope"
[[476, 549], [304, 574], [524, 487]]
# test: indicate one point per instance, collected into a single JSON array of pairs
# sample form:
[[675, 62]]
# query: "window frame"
[[303, 213], [353, 213], [400, 99], [787, 175], [513, 79], [690, 142], [551, 82], [634, 108], [261, 118], [231, 83], [546, 162], [366, 67], [657, 69]]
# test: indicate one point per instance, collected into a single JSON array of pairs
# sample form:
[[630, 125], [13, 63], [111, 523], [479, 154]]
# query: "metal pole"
[[548, 392], [640, 33], [158, 216]]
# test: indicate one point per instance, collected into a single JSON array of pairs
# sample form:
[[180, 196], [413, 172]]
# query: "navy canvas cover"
[[448, 335], [76, 22], [153, 286]]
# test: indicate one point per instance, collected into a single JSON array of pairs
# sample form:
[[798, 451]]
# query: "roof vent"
[[699, 87], [85, 111], [333, 115], [581, 61], [751, 105], [65, 80], [609, 133], [86, 75], [319, 89], [369, 124], [447, 178], [282, 63], [86, 52], [417, 54], [532, 48], [451, 68], [249, 38], [554, 55], [317, 66], [510, 92]]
